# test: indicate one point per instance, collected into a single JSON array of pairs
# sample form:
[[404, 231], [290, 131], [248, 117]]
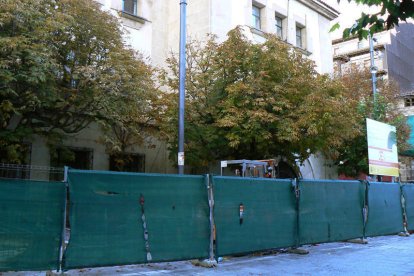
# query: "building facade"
[[152, 27]]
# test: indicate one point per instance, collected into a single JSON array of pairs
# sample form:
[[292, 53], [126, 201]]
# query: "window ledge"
[[257, 31], [133, 17], [303, 51]]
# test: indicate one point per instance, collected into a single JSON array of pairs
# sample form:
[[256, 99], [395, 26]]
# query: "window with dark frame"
[[76, 158], [409, 101], [299, 37], [278, 25], [18, 171], [130, 7], [256, 17]]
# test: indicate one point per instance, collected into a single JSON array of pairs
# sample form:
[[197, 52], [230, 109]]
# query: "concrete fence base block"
[[404, 234], [299, 251], [204, 263], [358, 241], [55, 273]]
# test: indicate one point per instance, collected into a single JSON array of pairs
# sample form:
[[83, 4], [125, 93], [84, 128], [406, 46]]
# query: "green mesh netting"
[[330, 210], [106, 218], [31, 224], [408, 191], [269, 214], [385, 211]]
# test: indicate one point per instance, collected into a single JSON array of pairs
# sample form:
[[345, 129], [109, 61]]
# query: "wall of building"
[[318, 166], [400, 54], [354, 52], [156, 154], [226, 15]]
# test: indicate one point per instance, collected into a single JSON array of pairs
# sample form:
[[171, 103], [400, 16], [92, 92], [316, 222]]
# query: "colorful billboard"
[[382, 149]]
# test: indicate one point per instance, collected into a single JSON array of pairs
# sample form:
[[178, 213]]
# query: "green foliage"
[[63, 66], [254, 101], [391, 13]]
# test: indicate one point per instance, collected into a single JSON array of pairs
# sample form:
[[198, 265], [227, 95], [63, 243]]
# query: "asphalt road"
[[390, 255]]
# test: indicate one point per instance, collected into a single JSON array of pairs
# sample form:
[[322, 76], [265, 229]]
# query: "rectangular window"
[[299, 38], [76, 158], [10, 170], [130, 6], [132, 162], [256, 17], [409, 101], [278, 25]]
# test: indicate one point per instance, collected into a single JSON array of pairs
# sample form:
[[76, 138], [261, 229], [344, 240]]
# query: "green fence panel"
[[269, 217], [31, 224], [408, 192], [330, 210], [106, 218], [384, 209]]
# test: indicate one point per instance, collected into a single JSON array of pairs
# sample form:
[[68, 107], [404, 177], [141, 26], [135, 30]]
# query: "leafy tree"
[[254, 101], [390, 14], [63, 66], [353, 158]]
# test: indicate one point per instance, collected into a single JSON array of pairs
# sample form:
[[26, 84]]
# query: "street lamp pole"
[[183, 15], [374, 70]]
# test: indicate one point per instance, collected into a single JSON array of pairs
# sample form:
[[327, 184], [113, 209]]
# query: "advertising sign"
[[382, 148]]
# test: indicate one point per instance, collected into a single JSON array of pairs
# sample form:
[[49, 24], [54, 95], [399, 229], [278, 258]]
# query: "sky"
[[349, 13]]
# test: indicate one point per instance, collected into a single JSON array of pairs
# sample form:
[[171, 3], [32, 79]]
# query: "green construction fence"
[[408, 192], [129, 218], [330, 210], [107, 227], [385, 214], [31, 224], [269, 214]]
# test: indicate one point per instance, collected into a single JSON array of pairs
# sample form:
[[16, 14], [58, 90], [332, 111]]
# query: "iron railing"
[[44, 173]]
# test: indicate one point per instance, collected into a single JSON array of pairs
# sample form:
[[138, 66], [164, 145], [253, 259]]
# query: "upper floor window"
[[409, 101], [299, 37], [279, 26], [130, 6], [256, 17]]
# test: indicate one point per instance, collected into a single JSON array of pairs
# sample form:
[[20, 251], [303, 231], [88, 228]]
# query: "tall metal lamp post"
[[374, 70], [183, 15]]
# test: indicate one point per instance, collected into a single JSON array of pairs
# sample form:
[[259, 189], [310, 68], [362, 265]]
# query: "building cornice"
[[357, 52], [341, 39], [321, 7]]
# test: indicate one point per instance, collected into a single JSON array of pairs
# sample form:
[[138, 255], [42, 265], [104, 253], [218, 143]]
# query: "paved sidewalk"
[[390, 255]]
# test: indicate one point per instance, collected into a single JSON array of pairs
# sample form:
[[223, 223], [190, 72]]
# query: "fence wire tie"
[[144, 226], [296, 188], [365, 208]]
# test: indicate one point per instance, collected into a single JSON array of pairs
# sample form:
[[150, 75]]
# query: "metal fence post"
[[65, 206], [296, 190], [209, 186]]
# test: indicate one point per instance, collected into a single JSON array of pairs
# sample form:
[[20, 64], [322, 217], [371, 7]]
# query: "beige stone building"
[[153, 28]]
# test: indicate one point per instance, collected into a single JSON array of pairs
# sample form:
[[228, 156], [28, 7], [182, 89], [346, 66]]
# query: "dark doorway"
[[284, 170]]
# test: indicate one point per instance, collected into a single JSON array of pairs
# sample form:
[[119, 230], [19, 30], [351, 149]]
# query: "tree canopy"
[[390, 14], [63, 66], [255, 101]]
